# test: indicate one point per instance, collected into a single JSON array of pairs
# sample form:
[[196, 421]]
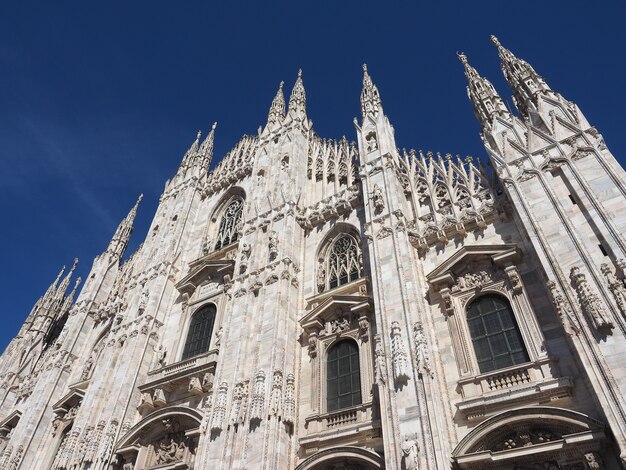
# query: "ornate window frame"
[[212, 230], [474, 271], [338, 318]]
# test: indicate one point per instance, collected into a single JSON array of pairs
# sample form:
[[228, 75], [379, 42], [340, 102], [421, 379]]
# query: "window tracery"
[[343, 263], [230, 224]]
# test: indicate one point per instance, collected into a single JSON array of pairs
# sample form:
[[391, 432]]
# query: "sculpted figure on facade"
[[616, 286], [398, 354], [563, 309], [421, 350], [589, 301], [410, 452]]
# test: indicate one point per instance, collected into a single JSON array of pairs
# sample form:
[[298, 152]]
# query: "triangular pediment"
[[332, 307], [10, 421], [499, 254], [202, 270], [69, 400]]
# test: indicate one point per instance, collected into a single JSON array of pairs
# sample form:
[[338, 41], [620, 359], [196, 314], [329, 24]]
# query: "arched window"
[[230, 224], [200, 331], [495, 335], [343, 377], [344, 263]]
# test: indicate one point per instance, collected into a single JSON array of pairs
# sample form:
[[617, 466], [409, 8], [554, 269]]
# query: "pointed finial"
[[495, 41], [276, 113], [198, 135], [214, 126], [74, 265], [462, 57], [297, 100], [370, 99]]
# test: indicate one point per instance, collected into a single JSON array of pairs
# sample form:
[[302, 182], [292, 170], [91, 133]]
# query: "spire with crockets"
[[370, 98], [120, 239], [276, 114], [523, 80], [487, 103], [297, 100]]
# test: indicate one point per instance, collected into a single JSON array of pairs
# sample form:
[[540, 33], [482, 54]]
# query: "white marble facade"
[[324, 304]]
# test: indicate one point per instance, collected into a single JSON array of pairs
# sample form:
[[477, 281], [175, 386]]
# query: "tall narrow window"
[[344, 264], [343, 378], [200, 330], [230, 224], [495, 335]]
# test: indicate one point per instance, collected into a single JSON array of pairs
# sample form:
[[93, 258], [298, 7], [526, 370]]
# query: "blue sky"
[[98, 102]]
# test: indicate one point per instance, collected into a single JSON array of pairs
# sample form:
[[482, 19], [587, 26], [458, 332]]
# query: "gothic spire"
[[370, 98], [69, 300], [487, 103], [120, 239], [276, 114], [53, 287], [522, 78], [297, 100], [205, 153]]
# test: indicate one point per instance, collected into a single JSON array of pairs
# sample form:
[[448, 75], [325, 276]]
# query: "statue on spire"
[[297, 100], [370, 98], [205, 153], [522, 78], [487, 103]]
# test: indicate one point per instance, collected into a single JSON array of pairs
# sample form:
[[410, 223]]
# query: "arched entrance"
[[343, 458], [537, 437]]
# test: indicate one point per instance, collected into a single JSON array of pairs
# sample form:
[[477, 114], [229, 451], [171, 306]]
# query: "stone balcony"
[[528, 383], [171, 383], [348, 425]]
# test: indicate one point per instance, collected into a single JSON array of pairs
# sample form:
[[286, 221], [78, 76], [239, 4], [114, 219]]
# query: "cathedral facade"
[[314, 304]]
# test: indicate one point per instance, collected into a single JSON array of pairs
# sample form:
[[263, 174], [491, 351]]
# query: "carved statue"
[[289, 411], [218, 337], [381, 367], [372, 143], [161, 354], [589, 301], [321, 278], [616, 286], [273, 245], [312, 345], [169, 449], [398, 353], [87, 369], [593, 461], [246, 249], [421, 350], [143, 301], [377, 198], [276, 394], [410, 452]]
